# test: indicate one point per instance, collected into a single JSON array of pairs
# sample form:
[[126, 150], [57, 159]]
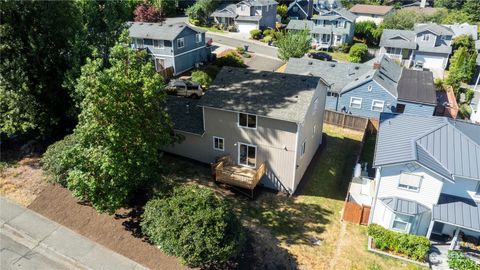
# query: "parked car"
[[320, 56], [185, 88]]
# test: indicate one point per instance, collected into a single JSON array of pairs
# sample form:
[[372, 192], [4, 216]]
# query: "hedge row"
[[413, 246], [458, 261]]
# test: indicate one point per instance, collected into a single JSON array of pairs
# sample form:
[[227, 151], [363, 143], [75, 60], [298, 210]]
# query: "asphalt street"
[[262, 50]]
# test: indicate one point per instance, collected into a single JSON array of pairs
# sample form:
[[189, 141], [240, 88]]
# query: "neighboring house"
[[427, 176], [374, 13], [475, 106], [255, 117], [174, 48], [330, 29], [371, 88], [305, 9], [247, 15], [427, 46]]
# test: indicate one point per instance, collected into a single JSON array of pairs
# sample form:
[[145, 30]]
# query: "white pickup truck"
[[185, 88]]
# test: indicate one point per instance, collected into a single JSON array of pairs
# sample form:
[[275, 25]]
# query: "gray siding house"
[[305, 9], [176, 47], [427, 46], [247, 15], [330, 29], [372, 88], [255, 117]]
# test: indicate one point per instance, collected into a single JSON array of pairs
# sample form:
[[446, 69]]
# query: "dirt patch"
[[23, 181]]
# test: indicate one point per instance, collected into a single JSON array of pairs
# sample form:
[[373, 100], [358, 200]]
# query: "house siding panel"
[[189, 41], [188, 60], [418, 109]]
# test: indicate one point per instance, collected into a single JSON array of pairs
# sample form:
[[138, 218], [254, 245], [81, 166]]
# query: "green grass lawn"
[[339, 56], [211, 29]]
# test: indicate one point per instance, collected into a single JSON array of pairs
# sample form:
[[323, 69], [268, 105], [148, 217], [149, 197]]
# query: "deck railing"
[[228, 173]]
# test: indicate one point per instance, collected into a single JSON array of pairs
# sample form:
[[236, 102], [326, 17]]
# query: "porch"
[[225, 171]]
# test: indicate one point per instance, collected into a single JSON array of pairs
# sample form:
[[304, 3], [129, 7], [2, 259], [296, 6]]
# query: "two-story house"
[[255, 117], [373, 13], [427, 176], [368, 89], [427, 46], [174, 48], [247, 15], [305, 9], [330, 29]]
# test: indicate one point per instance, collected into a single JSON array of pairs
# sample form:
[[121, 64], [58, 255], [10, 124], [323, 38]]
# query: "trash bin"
[[245, 47]]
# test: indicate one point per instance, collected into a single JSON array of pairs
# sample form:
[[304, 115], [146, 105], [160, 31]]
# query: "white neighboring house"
[[427, 176], [374, 13]]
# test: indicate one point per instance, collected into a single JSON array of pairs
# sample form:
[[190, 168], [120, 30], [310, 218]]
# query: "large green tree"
[[293, 44], [121, 128], [36, 46], [199, 12], [462, 67]]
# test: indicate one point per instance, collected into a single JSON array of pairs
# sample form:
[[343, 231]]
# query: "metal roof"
[[404, 206], [371, 9], [160, 31], [448, 147], [275, 95], [185, 114], [417, 86], [398, 39], [300, 25], [457, 211]]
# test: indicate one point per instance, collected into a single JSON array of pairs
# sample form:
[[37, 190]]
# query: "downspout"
[[377, 185]]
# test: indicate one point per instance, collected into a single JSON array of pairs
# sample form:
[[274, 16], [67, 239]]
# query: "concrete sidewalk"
[[31, 241]]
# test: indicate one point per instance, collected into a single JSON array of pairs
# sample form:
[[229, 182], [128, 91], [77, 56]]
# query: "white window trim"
[[223, 143], [417, 190], [238, 155], [361, 101], [383, 105], [408, 227], [247, 127], [158, 43], [197, 39], [426, 37], [183, 42]]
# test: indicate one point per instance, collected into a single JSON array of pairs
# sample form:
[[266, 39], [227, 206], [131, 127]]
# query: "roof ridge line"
[[459, 130], [436, 160], [415, 140]]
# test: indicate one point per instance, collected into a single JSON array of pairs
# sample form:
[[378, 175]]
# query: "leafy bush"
[[458, 261], [256, 34], [267, 39], [231, 59], [413, 246], [240, 50], [344, 47], [366, 31], [293, 44], [59, 159], [469, 93], [438, 84], [358, 53], [195, 225], [202, 78], [267, 32], [465, 111]]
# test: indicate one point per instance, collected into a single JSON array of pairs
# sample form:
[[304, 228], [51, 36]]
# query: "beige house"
[[257, 118]]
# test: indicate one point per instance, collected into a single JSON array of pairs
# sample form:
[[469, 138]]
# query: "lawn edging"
[[374, 250]]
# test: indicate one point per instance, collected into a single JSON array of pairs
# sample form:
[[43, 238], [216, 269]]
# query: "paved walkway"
[[31, 241], [233, 40]]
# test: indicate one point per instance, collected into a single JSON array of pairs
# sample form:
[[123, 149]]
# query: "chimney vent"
[[376, 65]]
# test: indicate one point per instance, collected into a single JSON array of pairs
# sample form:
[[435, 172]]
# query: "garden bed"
[[372, 248]]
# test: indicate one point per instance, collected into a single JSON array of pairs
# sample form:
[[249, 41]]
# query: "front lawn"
[[306, 228], [339, 56]]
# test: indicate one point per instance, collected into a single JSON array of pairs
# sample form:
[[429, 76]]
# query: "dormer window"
[[426, 37], [247, 120], [341, 23]]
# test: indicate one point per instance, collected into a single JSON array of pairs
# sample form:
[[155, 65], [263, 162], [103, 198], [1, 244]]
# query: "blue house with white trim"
[[174, 48], [371, 88]]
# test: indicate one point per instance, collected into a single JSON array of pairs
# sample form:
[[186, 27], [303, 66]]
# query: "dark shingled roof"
[[371, 9], [274, 95], [417, 86], [162, 31], [188, 120]]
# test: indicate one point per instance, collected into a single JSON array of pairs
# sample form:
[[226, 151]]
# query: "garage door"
[[246, 27], [430, 61]]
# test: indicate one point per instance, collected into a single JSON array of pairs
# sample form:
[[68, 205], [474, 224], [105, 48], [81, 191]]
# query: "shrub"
[[240, 50], [293, 44], [413, 246], [256, 34], [59, 159], [267, 39], [469, 93], [231, 59], [202, 78], [345, 48], [465, 111], [358, 53], [195, 225], [458, 261], [438, 84], [267, 32]]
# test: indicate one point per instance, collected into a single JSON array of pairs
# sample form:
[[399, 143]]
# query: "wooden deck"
[[235, 175]]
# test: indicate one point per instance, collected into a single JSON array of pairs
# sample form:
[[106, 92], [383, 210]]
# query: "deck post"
[[430, 229], [454, 239]]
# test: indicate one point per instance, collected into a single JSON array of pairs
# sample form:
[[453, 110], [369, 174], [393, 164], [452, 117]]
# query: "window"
[[395, 51], [218, 143], [443, 37], [426, 37], [477, 190], [338, 38], [355, 103], [247, 155], [158, 44], [402, 223], [247, 120], [369, 88], [332, 94], [198, 37], [242, 8], [377, 105], [180, 43], [409, 181], [341, 24], [400, 108], [139, 43], [303, 149]]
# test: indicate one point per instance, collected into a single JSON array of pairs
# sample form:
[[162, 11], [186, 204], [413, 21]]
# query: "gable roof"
[[371, 9], [274, 95], [417, 86], [434, 28], [226, 10], [259, 2], [300, 25], [464, 29], [398, 39], [161, 31], [334, 13], [451, 148]]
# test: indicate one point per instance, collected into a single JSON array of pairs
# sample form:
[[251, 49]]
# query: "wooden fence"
[[355, 213], [345, 120]]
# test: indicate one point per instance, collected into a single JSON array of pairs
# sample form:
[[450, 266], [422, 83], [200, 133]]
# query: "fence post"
[[343, 120]]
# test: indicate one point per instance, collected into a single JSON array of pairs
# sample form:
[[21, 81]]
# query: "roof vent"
[[296, 96], [310, 63], [170, 25], [332, 65], [230, 70], [356, 79], [357, 68]]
